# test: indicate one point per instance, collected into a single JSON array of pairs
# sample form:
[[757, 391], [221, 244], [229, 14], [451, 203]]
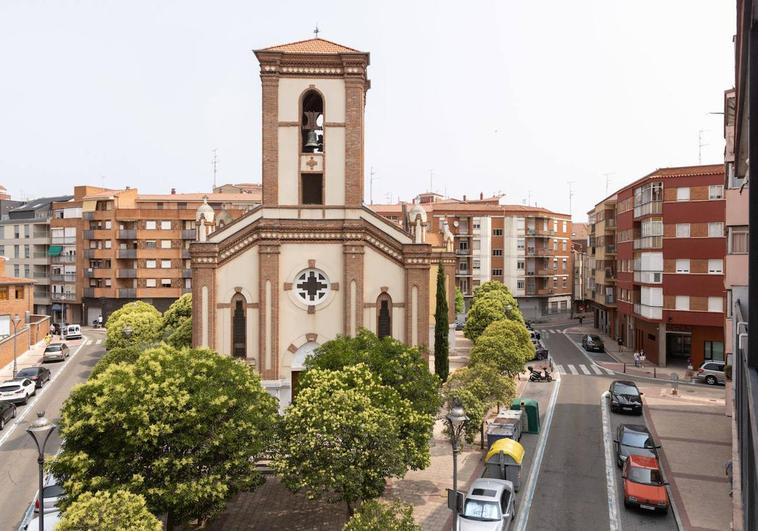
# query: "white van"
[[72, 332]]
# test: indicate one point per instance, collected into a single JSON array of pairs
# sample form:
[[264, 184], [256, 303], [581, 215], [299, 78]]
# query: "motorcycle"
[[538, 376]]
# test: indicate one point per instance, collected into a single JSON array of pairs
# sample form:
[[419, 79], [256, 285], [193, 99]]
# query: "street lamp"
[[127, 331], [16, 319], [456, 421], [40, 430]]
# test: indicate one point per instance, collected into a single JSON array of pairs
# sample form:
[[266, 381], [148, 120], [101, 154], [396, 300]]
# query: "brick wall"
[[6, 346]]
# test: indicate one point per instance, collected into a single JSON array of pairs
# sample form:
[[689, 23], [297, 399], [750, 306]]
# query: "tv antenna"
[[371, 179], [571, 195], [214, 164], [700, 145], [607, 181], [431, 181]]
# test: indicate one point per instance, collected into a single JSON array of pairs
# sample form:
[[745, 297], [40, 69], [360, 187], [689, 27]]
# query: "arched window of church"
[[312, 123], [384, 316], [239, 333]]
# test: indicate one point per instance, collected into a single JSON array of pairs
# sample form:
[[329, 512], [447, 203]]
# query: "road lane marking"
[[9, 429], [560, 369], [610, 467], [585, 370], [573, 370], [597, 370], [531, 483], [608, 371], [98, 341]]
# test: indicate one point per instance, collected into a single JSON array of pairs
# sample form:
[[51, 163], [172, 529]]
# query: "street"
[[18, 455]]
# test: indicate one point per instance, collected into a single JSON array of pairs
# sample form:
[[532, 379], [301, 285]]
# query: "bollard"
[[674, 383], [654, 373], [624, 367]]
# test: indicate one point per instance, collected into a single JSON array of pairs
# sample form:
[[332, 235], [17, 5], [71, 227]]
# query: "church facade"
[[311, 262]]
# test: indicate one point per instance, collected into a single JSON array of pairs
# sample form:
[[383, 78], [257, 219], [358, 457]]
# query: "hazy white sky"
[[514, 96]]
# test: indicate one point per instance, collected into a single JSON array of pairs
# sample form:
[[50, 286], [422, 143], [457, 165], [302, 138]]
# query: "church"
[[312, 261]]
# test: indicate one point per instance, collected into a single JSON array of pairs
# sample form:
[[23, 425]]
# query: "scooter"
[[538, 376]]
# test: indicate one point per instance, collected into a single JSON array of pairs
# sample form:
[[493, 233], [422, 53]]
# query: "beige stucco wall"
[[242, 272], [378, 272], [737, 209], [289, 153]]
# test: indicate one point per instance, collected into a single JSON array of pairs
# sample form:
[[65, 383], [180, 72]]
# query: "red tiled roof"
[[679, 171], [316, 45], [213, 197]]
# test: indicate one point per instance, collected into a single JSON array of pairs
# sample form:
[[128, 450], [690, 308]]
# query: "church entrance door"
[[298, 364]]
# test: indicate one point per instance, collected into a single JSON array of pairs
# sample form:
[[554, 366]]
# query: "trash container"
[[531, 410], [503, 461]]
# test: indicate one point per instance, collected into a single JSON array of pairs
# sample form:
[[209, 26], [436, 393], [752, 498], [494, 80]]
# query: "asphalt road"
[[18, 454], [572, 490]]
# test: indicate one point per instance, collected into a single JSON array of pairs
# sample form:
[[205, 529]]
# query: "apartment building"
[[25, 243], [110, 247], [670, 245], [602, 249], [580, 265], [527, 248]]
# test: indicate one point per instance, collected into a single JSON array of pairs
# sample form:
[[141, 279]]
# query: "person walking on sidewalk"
[[642, 358], [636, 359]]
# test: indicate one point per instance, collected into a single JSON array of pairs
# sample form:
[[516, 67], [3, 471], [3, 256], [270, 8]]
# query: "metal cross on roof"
[[316, 31]]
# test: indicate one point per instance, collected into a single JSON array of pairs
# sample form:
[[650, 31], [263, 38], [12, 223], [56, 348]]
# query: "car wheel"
[[14, 412], [26, 400], [710, 380], [627, 504], [619, 462]]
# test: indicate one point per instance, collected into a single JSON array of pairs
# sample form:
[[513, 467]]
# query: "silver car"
[[55, 351], [711, 372], [490, 505]]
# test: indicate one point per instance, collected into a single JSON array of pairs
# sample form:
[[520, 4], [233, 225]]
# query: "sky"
[[528, 99]]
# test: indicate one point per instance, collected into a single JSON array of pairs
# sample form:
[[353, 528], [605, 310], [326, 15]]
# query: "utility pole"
[[371, 184], [214, 163], [700, 145], [571, 195], [607, 181], [431, 180]]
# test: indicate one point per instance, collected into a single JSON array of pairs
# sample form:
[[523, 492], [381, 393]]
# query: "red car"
[[643, 484]]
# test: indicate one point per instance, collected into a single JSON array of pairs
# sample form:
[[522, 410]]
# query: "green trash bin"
[[531, 412]]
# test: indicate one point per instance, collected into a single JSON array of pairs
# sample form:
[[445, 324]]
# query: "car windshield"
[[623, 389], [595, 338], [52, 491], [6, 388], [637, 440], [644, 475], [53, 348], [30, 371], [482, 510]]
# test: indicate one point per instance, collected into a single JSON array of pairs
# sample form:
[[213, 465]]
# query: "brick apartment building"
[[670, 245], [110, 247], [602, 268], [525, 247]]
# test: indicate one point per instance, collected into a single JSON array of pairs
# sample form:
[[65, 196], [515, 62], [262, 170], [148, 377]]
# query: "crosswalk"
[[92, 342], [551, 331], [591, 370]]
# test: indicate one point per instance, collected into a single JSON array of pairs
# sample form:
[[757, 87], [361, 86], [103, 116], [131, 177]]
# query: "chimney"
[[481, 195], [173, 191]]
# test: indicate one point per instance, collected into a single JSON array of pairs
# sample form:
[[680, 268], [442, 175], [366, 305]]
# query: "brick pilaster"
[[269, 271], [353, 271], [270, 139], [354, 106]]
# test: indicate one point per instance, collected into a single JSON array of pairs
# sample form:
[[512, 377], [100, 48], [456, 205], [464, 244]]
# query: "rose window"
[[312, 286]]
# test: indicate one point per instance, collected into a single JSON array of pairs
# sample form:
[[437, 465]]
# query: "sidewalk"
[[31, 357]]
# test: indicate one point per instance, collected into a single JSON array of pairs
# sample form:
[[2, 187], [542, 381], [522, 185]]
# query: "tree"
[[180, 427], [459, 302], [492, 305], [441, 329], [177, 322], [116, 355], [144, 321], [116, 511], [346, 433], [396, 364], [506, 344], [374, 515]]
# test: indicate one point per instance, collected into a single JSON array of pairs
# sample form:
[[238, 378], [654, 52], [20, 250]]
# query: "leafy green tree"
[[492, 305], [374, 515], [180, 427], [177, 322], [396, 364], [116, 355], [460, 304], [475, 408], [144, 321], [346, 433], [506, 344], [119, 510], [441, 329]]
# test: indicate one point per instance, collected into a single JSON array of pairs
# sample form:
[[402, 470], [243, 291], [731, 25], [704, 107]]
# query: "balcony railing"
[[463, 252], [127, 293], [66, 277], [127, 234], [63, 296], [648, 277], [649, 312], [188, 234], [63, 240], [63, 259], [127, 254], [186, 273], [649, 242], [126, 273], [653, 207]]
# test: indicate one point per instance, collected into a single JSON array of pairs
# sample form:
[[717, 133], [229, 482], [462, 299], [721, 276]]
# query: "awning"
[[57, 307], [54, 250]]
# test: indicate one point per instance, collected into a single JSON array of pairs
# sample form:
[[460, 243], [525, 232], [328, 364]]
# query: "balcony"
[[63, 240], [67, 278], [648, 277], [127, 254], [542, 251], [126, 273], [127, 293], [649, 242], [89, 234], [461, 273], [97, 272], [545, 272], [186, 273], [653, 207], [540, 292], [65, 297], [189, 234], [649, 312], [463, 252], [127, 234]]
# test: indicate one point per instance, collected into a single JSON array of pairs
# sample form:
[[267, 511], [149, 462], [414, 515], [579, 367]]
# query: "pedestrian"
[[728, 472], [642, 358], [636, 359], [580, 320]]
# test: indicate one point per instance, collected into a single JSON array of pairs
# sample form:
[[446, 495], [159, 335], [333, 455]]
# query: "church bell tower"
[[314, 94]]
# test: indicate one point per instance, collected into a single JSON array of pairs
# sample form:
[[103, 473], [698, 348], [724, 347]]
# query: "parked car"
[[73, 331], [55, 351], [711, 372], [489, 505], [633, 439], [7, 412], [39, 375], [52, 492], [55, 329], [541, 352], [17, 391], [592, 343], [625, 396], [51, 521], [643, 484], [459, 325]]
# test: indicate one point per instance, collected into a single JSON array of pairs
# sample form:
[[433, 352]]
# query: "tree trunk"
[[170, 523], [350, 509]]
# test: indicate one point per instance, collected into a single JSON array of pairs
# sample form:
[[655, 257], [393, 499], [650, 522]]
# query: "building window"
[[715, 266], [2, 250], [683, 265], [565, 282], [520, 264], [239, 328], [312, 286], [312, 189], [16, 233], [26, 251], [520, 284], [497, 272], [462, 267], [682, 230], [150, 264], [19, 293], [682, 302], [384, 316], [165, 244], [150, 244], [16, 270], [476, 264], [564, 245], [4, 293], [497, 252], [683, 193], [715, 304], [165, 264], [108, 225], [166, 282], [463, 245], [716, 191], [27, 271], [555, 282], [715, 229], [555, 264], [107, 283], [107, 244], [151, 225], [150, 282], [520, 244], [497, 232], [738, 240], [714, 350], [166, 225]]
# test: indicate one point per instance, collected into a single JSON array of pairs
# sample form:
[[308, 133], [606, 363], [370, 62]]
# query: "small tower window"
[[312, 188], [239, 333], [384, 316], [312, 123]]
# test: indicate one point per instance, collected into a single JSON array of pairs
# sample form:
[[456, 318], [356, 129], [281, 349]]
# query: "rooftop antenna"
[[700, 145], [528, 198], [571, 195], [214, 163], [607, 181], [371, 184], [431, 181]]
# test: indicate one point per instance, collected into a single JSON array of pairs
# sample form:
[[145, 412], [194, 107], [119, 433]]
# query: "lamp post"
[[127, 331], [456, 421], [16, 319], [40, 430]]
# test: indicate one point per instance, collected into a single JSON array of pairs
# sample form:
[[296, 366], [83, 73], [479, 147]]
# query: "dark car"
[[459, 325], [633, 439], [593, 343], [39, 375], [626, 397], [55, 351], [7, 412]]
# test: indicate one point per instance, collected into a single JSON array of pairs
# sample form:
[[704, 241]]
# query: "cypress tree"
[[441, 329]]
